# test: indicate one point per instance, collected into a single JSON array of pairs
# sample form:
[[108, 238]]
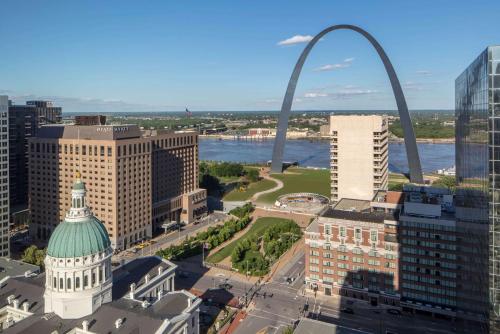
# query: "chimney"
[[146, 278], [85, 325], [132, 290], [160, 270], [118, 323], [10, 299], [16, 303], [26, 306]]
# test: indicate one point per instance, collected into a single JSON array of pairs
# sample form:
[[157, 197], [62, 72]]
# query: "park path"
[[264, 173]]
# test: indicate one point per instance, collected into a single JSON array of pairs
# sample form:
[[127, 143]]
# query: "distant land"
[[198, 113]]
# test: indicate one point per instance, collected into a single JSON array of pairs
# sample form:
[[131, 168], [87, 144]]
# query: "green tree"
[[252, 175], [446, 181], [34, 255]]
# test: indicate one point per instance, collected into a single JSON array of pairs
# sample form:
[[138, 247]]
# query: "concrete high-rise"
[[477, 137], [358, 156], [136, 182], [4, 176]]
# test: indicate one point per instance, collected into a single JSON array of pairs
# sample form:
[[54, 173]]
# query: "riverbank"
[[267, 138]]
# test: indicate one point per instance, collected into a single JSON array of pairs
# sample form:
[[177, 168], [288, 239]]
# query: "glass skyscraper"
[[477, 113]]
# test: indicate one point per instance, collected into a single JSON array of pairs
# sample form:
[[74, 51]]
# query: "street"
[[165, 240]]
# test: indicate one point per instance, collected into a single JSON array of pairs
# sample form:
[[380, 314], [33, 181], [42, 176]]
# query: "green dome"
[[75, 239], [79, 185]]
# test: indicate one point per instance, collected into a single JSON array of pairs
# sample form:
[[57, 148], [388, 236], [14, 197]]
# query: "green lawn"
[[298, 180], [236, 195], [257, 228]]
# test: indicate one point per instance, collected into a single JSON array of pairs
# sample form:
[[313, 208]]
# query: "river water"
[[317, 153]]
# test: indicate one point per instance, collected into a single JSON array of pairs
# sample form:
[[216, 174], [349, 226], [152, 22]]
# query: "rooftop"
[[350, 204], [15, 268], [136, 319], [373, 217]]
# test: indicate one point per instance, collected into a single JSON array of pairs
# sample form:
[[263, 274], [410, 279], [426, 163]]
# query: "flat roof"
[[350, 204], [13, 268], [90, 132], [374, 217]]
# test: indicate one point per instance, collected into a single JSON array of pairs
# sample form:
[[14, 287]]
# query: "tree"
[[252, 175], [34, 255], [446, 181]]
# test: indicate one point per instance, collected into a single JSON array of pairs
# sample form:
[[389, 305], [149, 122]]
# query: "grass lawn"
[[236, 195], [257, 228], [298, 180]]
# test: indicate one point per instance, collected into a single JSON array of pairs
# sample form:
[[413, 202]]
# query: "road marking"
[[269, 319], [275, 314]]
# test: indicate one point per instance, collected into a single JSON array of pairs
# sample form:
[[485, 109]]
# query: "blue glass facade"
[[477, 113]]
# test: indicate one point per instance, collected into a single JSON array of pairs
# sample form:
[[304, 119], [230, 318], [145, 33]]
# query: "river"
[[317, 153]]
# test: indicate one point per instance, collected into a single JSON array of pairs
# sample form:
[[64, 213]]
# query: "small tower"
[[78, 262]]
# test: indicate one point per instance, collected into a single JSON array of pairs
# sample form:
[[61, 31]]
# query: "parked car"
[[394, 311]]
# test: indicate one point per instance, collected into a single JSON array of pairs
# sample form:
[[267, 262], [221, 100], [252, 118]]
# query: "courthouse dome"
[[81, 233]]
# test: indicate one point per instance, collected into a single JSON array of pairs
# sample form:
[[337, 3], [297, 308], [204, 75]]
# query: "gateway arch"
[[409, 135]]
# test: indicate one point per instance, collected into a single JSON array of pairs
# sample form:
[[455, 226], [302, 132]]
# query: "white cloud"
[[423, 72], [297, 39], [331, 67], [415, 86], [315, 95], [345, 93], [87, 104]]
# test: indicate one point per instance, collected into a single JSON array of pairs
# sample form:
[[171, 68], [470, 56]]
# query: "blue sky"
[[225, 55]]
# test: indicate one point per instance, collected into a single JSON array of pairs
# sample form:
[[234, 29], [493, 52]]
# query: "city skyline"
[[104, 58]]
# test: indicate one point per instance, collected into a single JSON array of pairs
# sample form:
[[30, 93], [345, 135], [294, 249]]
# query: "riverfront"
[[316, 153]]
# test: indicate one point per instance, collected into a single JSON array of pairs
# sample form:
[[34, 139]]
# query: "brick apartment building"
[[418, 250]]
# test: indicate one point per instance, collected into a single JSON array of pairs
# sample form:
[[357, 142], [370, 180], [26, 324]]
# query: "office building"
[[352, 250], [477, 106], [79, 292], [4, 177], [24, 121], [358, 156], [136, 182]]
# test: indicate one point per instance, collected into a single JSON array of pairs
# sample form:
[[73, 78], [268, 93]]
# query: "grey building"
[[24, 121], [4, 177], [477, 114]]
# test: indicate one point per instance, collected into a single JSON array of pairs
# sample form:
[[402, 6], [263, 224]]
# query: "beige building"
[[358, 156], [135, 181]]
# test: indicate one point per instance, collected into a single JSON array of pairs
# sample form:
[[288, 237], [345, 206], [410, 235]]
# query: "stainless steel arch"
[[409, 135]]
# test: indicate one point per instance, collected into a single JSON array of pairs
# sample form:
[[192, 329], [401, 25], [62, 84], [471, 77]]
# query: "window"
[[328, 229], [373, 236], [55, 283], [61, 283], [68, 283], [85, 281], [77, 283], [342, 231], [357, 233]]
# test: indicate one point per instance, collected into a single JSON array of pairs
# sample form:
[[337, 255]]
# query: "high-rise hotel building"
[[477, 119], [358, 156], [4, 176], [136, 181]]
